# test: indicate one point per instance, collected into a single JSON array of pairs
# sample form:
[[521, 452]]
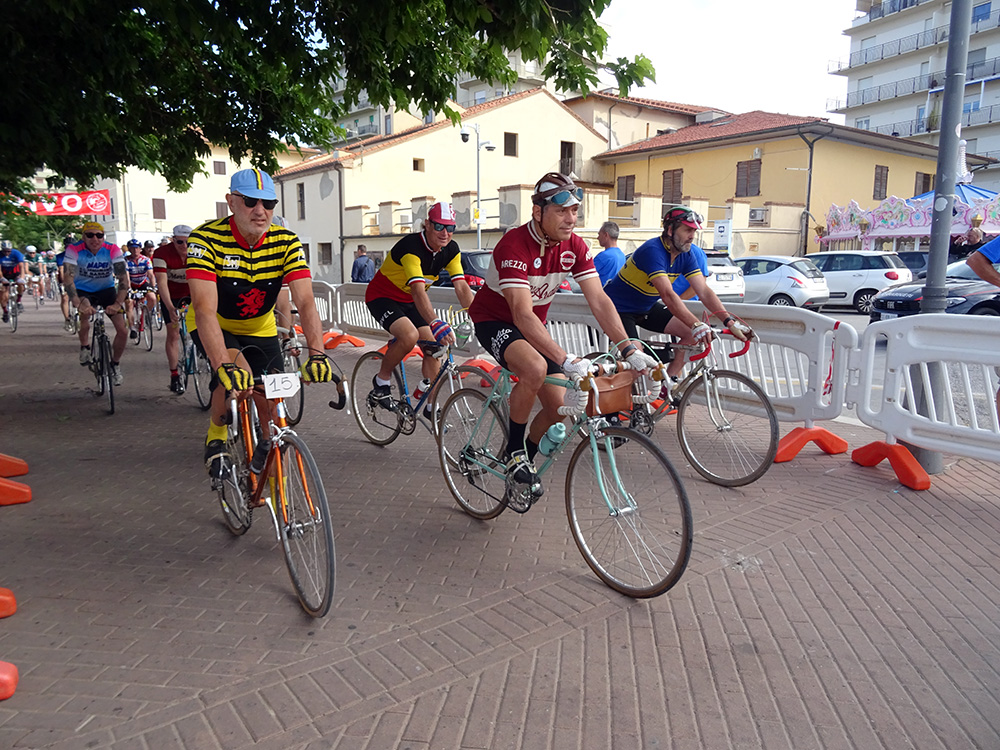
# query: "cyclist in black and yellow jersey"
[[397, 296], [235, 269]]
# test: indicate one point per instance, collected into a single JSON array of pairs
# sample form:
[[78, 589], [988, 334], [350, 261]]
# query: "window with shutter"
[[881, 182], [626, 189], [924, 183], [748, 178], [159, 208], [672, 187]]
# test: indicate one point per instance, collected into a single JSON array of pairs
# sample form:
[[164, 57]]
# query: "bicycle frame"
[[499, 395], [272, 475]]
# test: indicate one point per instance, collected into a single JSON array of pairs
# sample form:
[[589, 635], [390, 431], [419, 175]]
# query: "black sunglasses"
[[269, 203], [91, 235], [443, 227]]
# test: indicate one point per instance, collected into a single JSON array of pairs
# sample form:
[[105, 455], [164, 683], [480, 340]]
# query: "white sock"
[[382, 381]]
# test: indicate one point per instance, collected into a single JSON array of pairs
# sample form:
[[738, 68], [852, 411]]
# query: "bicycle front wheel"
[[463, 376], [109, 381], [628, 512], [727, 428], [296, 403], [234, 486], [380, 424], [202, 380], [12, 315], [471, 445], [306, 529], [147, 329]]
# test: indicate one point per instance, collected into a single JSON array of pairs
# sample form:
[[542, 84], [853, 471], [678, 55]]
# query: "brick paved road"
[[824, 607]]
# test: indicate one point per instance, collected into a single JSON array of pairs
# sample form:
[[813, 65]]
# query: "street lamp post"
[[480, 145]]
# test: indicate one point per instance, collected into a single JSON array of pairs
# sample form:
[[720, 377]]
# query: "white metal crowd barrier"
[[930, 380], [810, 365]]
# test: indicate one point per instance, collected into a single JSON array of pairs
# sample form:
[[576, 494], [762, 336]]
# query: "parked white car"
[[856, 276], [783, 280], [724, 277]]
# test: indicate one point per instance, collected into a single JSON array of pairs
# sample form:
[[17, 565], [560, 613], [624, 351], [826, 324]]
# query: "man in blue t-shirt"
[[981, 261], [610, 260], [643, 292], [13, 269]]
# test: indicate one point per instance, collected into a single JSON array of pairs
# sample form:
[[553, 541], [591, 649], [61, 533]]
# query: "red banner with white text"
[[71, 204]]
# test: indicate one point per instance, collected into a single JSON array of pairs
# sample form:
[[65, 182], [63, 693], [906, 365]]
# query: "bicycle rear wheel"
[[234, 486], [296, 403], [628, 512], [146, 322], [306, 529], [727, 428], [379, 424], [202, 379], [471, 445]]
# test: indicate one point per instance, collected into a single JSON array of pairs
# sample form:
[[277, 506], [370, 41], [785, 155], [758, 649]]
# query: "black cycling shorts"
[[496, 336], [177, 306], [262, 353], [101, 298], [387, 311], [654, 320]]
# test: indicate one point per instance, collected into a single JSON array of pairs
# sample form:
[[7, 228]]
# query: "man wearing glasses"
[[643, 292], [235, 269], [397, 295], [170, 270], [509, 312], [89, 272]]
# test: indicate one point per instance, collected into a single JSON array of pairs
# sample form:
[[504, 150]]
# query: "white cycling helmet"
[[31, 249]]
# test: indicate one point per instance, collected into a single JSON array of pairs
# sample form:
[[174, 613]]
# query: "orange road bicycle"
[[289, 486]]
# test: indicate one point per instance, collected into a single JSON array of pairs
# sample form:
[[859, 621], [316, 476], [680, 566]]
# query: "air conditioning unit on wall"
[[758, 215]]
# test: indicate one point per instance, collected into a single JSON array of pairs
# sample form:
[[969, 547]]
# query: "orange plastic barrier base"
[[8, 604], [333, 339], [791, 444], [12, 493], [657, 403], [414, 351], [908, 469], [12, 467], [8, 680]]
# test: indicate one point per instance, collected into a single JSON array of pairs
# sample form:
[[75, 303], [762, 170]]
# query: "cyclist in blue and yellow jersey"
[[235, 269], [397, 295], [643, 292], [89, 272]]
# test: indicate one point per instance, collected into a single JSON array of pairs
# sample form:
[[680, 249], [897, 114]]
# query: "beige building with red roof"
[[770, 176]]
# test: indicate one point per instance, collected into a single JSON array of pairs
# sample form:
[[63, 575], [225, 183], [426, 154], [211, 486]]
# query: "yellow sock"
[[215, 432]]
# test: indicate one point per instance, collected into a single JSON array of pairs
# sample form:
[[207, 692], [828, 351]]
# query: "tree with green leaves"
[[92, 87], [44, 232]]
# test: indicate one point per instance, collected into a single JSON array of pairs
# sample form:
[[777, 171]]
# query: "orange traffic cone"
[[8, 680], [12, 493], [8, 604], [12, 467]]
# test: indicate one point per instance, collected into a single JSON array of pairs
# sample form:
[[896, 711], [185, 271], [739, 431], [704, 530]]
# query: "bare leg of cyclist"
[[676, 328]]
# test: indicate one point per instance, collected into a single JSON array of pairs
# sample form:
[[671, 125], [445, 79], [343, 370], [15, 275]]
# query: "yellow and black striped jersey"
[[411, 259], [248, 278]]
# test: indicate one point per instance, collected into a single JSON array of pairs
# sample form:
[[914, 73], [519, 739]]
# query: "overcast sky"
[[737, 55]]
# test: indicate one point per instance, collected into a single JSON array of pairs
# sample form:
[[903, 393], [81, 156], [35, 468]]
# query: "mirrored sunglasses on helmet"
[[686, 215], [269, 203], [563, 196], [439, 227]]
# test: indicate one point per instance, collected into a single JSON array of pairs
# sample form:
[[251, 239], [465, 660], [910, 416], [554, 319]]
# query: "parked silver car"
[[782, 280]]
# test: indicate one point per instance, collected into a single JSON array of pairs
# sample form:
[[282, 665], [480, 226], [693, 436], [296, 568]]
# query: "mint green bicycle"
[[628, 510]]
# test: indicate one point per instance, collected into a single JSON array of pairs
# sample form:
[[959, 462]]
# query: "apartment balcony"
[[888, 7], [911, 43], [370, 128], [924, 125], [973, 72]]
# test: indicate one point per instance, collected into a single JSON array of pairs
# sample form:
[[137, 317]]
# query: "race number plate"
[[281, 385]]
